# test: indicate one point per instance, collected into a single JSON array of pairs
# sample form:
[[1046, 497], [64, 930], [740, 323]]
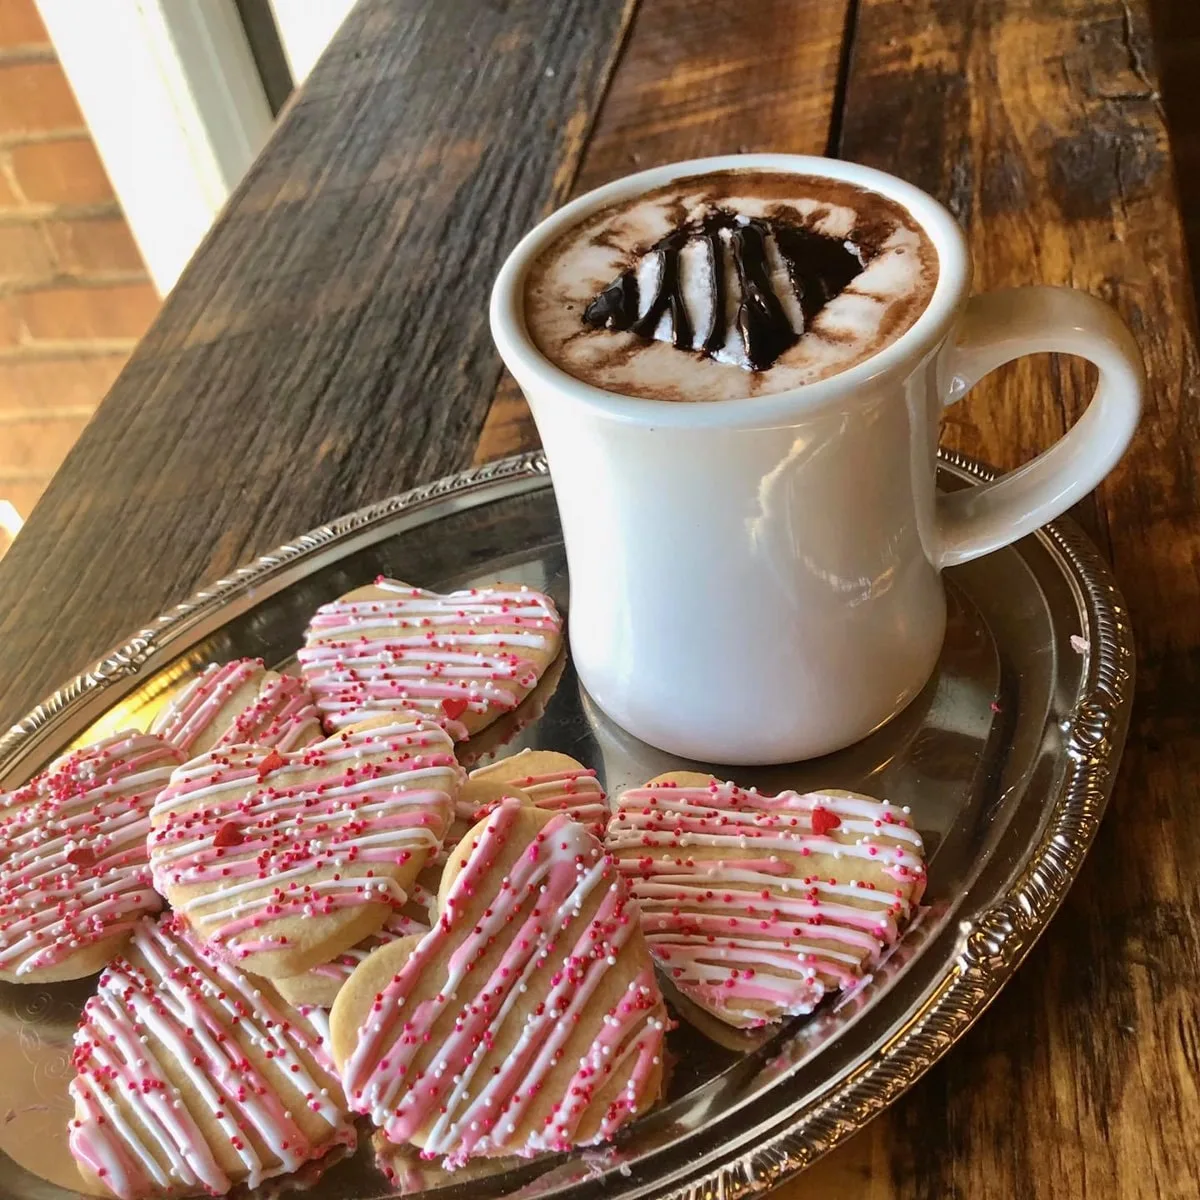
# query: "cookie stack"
[[489, 946]]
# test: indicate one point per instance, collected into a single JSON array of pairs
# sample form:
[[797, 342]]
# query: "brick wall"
[[74, 294]]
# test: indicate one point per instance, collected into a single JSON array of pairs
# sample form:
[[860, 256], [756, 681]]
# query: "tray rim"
[[999, 937]]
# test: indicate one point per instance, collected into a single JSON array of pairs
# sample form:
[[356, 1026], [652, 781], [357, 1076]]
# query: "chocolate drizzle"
[[617, 306], [817, 267], [669, 296], [764, 326], [820, 267]]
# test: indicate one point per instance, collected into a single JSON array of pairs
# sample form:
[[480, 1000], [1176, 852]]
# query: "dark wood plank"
[[701, 77], [1040, 125], [1177, 41], [328, 345]]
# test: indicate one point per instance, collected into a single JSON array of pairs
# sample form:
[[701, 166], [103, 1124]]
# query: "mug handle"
[[994, 329]]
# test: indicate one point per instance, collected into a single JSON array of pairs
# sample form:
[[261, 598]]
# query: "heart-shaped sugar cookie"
[[74, 876], [283, 861], [192, 1076], [461, 659], [551, 781], [528, 1019], [756, 906], [238, 702]]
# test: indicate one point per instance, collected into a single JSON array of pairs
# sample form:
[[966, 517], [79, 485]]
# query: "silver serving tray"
[[1006, 760]]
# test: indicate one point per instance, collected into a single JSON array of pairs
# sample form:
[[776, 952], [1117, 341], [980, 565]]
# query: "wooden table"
[[329, 346]]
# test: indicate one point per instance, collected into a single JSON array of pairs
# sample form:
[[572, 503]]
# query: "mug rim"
[[527, 362]]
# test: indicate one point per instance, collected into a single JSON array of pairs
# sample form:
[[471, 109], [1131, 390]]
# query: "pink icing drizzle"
[[471, 1115], [282, 714], [577, 793], [381, 795], [767, 939], [177, 1004], [423, 666], [73, 850]]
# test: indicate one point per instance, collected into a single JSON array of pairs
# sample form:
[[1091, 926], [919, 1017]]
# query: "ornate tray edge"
[[998, 939], [129, 657]]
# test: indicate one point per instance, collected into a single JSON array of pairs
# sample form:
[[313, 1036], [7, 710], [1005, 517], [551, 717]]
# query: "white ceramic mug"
[[758, 580]]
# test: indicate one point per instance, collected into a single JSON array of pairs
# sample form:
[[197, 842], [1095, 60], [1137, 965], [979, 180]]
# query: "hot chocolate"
[[729, 285]]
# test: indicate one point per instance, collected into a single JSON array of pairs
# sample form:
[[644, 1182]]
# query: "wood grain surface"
[[329, 345], [1177, 45]]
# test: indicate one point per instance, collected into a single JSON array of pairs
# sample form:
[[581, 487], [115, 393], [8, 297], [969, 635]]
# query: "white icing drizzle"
[[172, 1011], [574, 790], [281, 712]]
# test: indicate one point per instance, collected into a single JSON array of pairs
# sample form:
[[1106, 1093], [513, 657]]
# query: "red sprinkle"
[[272, 762], [454, 707], [823, 821], [228, 835]]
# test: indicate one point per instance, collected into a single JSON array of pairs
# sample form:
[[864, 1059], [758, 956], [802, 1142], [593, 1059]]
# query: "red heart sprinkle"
[[823, 821], [272, 762], [82, 856], [228, 835], [454, 707]]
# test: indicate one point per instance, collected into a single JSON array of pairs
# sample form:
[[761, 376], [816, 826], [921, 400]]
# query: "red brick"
[[41, 383], [71, 313], [10, 322], [37, 447], [24, 252], [61, 172], [94, 244], [36, 98], [20, 24]]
